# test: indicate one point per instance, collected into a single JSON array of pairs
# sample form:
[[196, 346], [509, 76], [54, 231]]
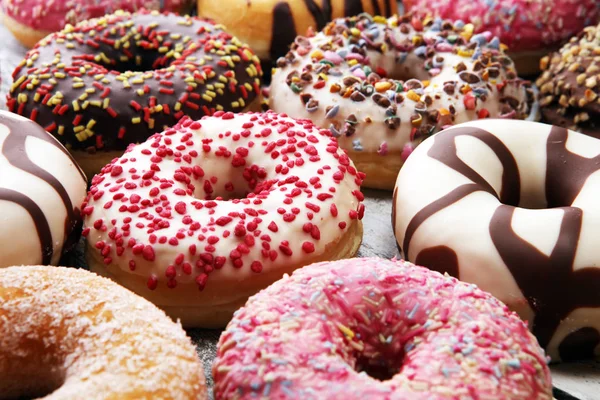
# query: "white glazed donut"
[[513, 207], [203, 215], [438, 74], [41, 189]]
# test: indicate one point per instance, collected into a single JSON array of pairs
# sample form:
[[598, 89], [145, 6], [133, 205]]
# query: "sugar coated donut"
[[382, 86], [31, 20], [570, 84], [512, 207], [270, 26], [78, 333], [201, 216], [529, 28], [424, 335], [112, 81], [41, 189]]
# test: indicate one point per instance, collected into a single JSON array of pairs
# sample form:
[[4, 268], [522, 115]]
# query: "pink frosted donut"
[[32, 20], [205, 214], [431, 336], [529, 28]]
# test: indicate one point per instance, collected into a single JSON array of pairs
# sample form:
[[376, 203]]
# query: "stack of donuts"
[[138, 136]]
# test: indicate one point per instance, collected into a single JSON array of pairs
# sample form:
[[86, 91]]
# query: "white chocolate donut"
[[513, 207], [67, 333], [41, 188], [438, 74], [203, 215]]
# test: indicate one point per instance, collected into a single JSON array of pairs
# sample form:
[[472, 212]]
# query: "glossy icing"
[[41, 189], [511, 206]]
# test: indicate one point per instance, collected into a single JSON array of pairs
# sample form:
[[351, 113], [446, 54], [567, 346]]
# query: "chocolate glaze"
[[168, 83], [38, 217], [15, 152], [551, 287], [579, 344], [439, 258], [283, 28]]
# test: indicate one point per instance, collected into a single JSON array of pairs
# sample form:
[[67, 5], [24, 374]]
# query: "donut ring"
[[79, 333], [446, 339], [41, 190], [32, 20], [529, 28], [230, 201], [116, 80], [382, 86], [570, 84], [511, 206]]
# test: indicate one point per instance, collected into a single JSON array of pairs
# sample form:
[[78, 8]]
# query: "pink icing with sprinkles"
[[520, 24], [308, 335], [53, 15]]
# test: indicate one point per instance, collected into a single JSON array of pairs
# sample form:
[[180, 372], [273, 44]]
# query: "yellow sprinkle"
[[345, 330], [352, 62], [136, 120], [61, 129], [59, 75], [81, 136], [78, 128], [78, 85], [317, 54], [383, 86], [207, 97], [235, 104], [425, 83], [90, 124], [378, 19], [105, 103], [465, 53], [75, 104], [444, 112], [465, 89], [151, 123], [85, 104], [413, 95], [355, 31], [140, 92], [177, 106]]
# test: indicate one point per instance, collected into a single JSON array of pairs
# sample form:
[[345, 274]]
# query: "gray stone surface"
[[578, 380]]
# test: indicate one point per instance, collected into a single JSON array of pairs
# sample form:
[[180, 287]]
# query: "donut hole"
[[381, 369]]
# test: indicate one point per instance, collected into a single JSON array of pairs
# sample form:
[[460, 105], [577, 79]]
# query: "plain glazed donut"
[[511, 206], [270, 26], [529, 28], [438, 74], [426, 336], [41, 189], [570, 84], [32, 20], [116, 80], [66, 333], [204, 215]]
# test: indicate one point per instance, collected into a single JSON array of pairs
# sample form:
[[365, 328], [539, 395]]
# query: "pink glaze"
[[53, 15], [520, 24], [305, 337]]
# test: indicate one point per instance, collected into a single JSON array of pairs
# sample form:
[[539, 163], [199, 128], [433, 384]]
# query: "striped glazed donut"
[[313, 335], [513, 207], [41, 189]]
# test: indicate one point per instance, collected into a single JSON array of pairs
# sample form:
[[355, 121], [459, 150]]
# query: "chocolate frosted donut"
[[570, 84], [41, 189], [116, 80], [512, 207]]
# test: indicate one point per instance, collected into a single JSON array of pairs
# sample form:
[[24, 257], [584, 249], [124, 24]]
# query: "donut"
[[376, 329], [41, 189], [528, 28], [511, 206], [32, 20], [382, 86], [116, 80], [200, 217], [570, 84], [270, 26], [76, 332]]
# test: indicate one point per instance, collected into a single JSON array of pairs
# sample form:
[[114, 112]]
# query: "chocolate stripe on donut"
[[38, 217], [14, 149], [444, 150], [549, 283]]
